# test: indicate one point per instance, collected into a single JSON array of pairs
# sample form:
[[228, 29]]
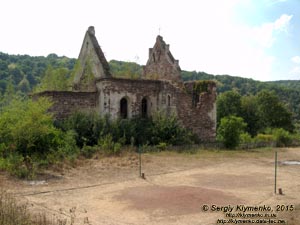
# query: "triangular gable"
[[91, 63], [161, 63]]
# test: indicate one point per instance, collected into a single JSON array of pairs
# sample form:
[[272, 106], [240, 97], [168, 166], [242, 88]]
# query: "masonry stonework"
[[160, 89], [161, 63], [68, 102]]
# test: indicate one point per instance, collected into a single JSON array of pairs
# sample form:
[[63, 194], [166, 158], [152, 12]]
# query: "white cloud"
[[265, 35], [283, 22], [296, 59], [242, 50]]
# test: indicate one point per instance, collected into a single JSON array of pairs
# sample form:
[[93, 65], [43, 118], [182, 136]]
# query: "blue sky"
[[257, 39]]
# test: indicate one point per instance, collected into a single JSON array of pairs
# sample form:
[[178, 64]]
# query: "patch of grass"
[[217, 153], [12, 213]]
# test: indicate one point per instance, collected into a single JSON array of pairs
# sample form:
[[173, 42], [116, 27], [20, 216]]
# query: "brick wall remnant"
[[67, 102]]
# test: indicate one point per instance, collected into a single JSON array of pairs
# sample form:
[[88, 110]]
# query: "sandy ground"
[[176, 188]]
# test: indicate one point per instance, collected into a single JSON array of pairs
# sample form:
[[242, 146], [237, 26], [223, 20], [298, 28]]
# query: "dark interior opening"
[[144, 107], [123, 108]]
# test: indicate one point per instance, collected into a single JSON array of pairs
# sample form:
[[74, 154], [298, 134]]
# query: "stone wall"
[[199, 118], [67, 102], [160, 96]]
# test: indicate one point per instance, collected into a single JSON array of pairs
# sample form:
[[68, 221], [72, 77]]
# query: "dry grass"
[[12, 213]]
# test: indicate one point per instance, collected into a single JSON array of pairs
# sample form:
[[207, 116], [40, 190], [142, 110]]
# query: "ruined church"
[[160, 89]]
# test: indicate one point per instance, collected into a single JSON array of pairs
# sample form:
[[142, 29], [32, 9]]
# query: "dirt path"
[[109, 191]]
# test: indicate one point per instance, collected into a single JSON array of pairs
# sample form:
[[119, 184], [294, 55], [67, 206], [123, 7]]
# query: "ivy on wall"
[[202, 86], [199, 87]]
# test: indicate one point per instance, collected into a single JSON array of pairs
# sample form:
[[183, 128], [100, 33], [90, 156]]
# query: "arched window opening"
[[144, 107], [169, 100], [123, 108]]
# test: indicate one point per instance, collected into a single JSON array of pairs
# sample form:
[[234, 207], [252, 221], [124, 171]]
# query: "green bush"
[[27, 128], [167, 129], [245, 138], [29, 138], [87, 126], [282, 137], [67, 149], [108, 145], [264, 138], [14, 164], [138, 130], [230, 130], [162, 146], [88, 151]]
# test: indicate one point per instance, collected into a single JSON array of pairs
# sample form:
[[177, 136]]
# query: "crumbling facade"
[[159, 89]]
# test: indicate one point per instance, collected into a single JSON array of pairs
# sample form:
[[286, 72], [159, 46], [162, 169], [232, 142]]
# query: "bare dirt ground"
[[109, 190]]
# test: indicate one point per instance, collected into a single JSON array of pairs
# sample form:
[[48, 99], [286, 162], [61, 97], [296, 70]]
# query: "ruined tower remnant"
[[161, 63], [159, 89]]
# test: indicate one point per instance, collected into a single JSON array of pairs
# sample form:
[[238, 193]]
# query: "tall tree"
[[228, 104], [250, 115], [272, 112], [55, 79]]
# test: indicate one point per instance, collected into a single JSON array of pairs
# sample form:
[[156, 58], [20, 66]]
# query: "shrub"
[[245, 138], [167, 129], [162, 146], [27, 128], [264, 138], [229, 131], [136, 131], [88, 151], [30, 139], [87, 126], [108, 145], [282, 137], [67, 149]]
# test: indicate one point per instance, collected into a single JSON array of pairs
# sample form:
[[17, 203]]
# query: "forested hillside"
[[23, 72]]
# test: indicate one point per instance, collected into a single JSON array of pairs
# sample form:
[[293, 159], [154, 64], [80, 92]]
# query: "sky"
[[258, 39]]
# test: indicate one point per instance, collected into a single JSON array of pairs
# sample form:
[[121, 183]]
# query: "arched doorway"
[[144, 108], [123, 108]]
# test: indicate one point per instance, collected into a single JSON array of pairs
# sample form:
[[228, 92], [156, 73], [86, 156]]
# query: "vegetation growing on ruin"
[[201, 86], [87, 78]]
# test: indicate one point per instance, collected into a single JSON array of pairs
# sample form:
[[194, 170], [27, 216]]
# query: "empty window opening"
[[153, 57], [195, 99], [144, 107], [169, 100], [123, 108]]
